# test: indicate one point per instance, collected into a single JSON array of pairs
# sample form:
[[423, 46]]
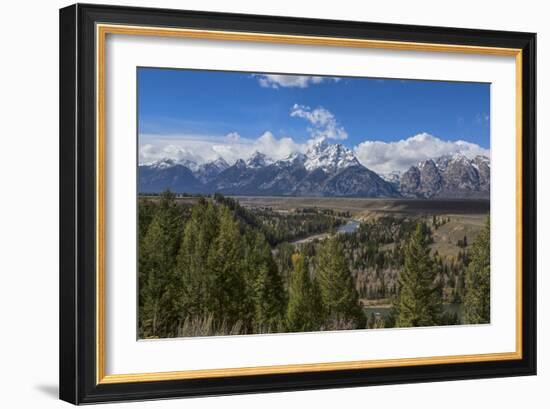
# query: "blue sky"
[[177, 108]]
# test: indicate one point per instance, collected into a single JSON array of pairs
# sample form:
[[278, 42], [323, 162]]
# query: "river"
[[349, 227]]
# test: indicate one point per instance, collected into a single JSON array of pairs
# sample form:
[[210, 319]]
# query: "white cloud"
[[231, 147], [291, 81], [267, 143], [151, 152], [324, 124], [384, 157], [201, 149], [277, 148], [233, 136], [381, 157]]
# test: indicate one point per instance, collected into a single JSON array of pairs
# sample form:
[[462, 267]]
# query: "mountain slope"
[[448, 177], [177, 178], [358, 181], [208, 171]]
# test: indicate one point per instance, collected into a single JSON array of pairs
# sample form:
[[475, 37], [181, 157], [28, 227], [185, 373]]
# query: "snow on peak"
[[482, 159], [294, 157], [220, 163], [424, 163], [258, 160], [163, 163], [393, 177], [459, 157], [168, 163], [240, 163], [329, 157]]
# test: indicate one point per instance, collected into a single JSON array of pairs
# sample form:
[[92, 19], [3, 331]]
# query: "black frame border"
[[77, 286]]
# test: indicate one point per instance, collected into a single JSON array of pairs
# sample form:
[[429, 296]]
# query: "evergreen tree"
[[338, 292], [225, 263], [419, 300], [305, 309], [158, 290], [284, 254], [265, 287], [478, 274], [146, 212], [195, 278]]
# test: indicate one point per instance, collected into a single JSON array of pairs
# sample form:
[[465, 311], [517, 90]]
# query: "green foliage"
[[280, 227], [338, 292], [195, 279], [305, 309], [157, 280], [265, 287], [203, 271], [478, 274], [225, 264], [283, 259], [146, 211], [419, 300], [208, 266]]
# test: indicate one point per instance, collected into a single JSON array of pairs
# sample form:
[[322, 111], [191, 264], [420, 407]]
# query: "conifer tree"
[[225, 262], [419, 299], [338, 292], [195, 279], [478, 274], [158, 290], [265, 287], [284, 261], [146, 212], [305, 309]]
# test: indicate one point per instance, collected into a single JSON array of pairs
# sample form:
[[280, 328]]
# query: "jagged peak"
[[258, 160], [427, 162], [293, 158], [329, 157], [162, 163], [165, 163], [483, 158], [240, 163], [219, 161]]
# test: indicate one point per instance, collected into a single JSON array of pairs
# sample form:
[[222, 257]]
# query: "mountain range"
[[324, 170], [448, 176]]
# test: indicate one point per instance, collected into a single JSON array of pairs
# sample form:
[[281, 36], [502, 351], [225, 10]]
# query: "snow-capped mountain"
[[168, 163], [394, 177], [448, 176], [258, 160], [324, 170], [168, 174], [331, 158], [208, 171]]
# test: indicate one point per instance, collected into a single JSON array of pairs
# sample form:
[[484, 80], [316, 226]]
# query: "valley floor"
[[467, 216], [368, 207]]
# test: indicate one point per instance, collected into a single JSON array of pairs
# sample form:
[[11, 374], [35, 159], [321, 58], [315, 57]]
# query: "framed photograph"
[[258, 203]]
